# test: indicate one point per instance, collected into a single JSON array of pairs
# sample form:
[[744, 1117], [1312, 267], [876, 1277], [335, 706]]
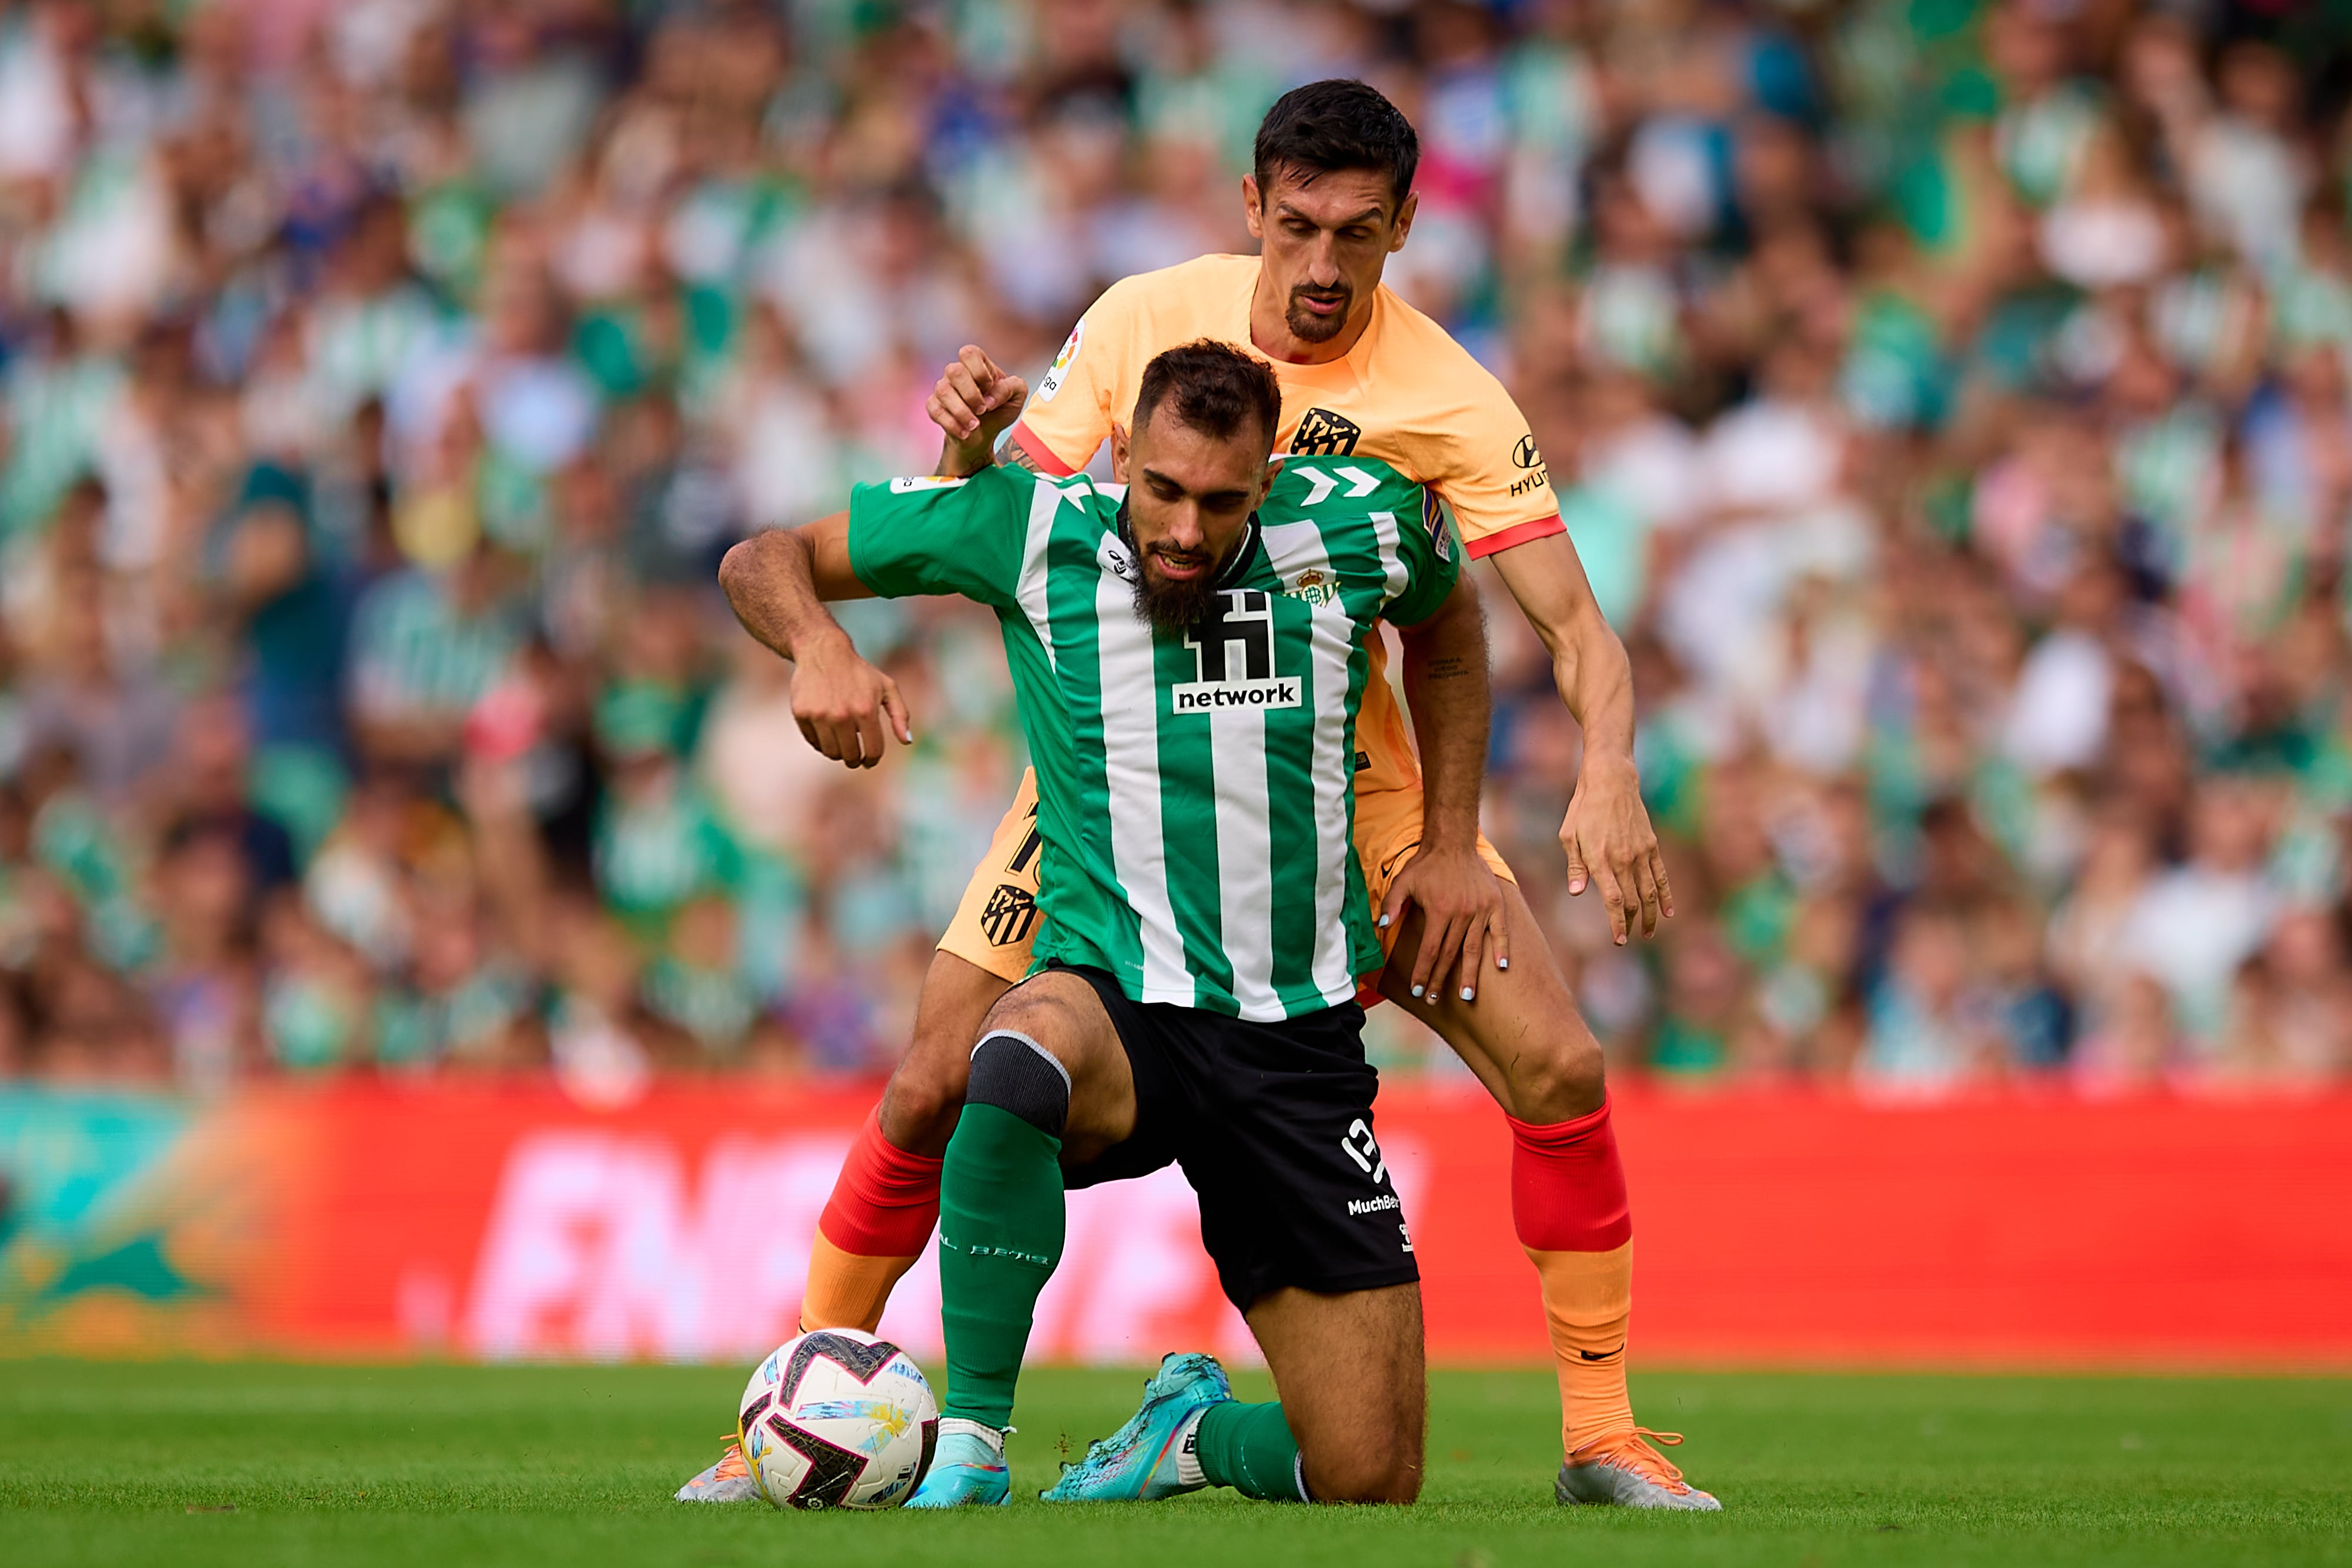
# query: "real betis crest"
[[1314, 585]]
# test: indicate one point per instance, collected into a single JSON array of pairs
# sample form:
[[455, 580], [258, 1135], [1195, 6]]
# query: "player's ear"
[[1272, 472], [1118, 453], [1252, 201], [1404, 221]]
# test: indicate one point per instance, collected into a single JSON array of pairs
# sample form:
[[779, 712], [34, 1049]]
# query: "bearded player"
[[1206, 914], [1372, 391]]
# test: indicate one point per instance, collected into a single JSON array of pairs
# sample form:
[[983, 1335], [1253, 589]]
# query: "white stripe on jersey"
[[1291, 548], [1130, 723], [1244, 861], [1384, 525], [1045, 501]]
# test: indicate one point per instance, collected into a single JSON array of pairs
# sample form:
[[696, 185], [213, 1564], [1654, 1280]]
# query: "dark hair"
[[1217, 389], [1327, 126]]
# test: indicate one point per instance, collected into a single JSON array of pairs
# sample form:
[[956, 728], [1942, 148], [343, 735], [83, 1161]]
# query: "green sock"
[[1001, 1224], [1249, 1448]]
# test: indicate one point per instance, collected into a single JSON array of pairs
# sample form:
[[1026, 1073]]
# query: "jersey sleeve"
[[964, 536], [1077, 402], [1494, 477], [1432, 565]]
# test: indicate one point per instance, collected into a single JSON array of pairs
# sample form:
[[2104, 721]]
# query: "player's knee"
[[1376, 1475], [1402, 1483], [926, 1094], [919, 1107], [1013, 1070], [1034, 1010], [1565, 1079]]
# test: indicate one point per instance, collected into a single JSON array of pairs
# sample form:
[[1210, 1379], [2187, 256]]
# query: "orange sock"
[[1588, 1301], [1569, 1206], [874, 1227], [845, 1291]]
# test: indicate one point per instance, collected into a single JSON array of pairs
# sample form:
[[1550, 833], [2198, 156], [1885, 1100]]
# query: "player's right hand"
[[840, 702], [1461, 904], [973, 403]]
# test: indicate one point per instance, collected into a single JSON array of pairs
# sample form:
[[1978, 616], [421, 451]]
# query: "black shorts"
[[1272, 1124]]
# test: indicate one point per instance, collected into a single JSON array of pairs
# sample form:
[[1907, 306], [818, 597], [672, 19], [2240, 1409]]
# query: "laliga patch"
[[926, 482], [1060, 370]]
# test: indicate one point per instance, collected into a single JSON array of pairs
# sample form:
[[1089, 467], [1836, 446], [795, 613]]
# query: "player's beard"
[[1173, 604], [1307, 327]]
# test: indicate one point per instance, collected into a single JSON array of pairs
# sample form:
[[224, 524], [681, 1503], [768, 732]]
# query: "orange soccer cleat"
[[729, 1480], [1622, 1468]]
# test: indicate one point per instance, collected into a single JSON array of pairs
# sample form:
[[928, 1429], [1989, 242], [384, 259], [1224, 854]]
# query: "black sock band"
[[1014, 1074]]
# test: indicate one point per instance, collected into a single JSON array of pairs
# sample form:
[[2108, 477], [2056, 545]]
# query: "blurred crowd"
[[1948, 399]]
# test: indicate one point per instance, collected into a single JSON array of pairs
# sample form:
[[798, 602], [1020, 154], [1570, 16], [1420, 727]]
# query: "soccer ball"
[[838, 1418]]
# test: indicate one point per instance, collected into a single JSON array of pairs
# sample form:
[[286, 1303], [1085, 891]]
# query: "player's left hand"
[[1610, 842], [973, 401], [1461, 904]]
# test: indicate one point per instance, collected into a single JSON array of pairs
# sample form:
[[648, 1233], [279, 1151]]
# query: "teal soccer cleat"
[[1145, 1460], [968, 1471]]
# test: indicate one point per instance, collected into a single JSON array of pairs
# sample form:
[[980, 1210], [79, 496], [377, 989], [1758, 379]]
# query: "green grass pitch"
[[252, 1464]]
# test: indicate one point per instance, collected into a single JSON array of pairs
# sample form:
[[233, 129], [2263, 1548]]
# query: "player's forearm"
[[1596, 683], [1444, 669], [962, 460], [770, 583], [1589, 663]]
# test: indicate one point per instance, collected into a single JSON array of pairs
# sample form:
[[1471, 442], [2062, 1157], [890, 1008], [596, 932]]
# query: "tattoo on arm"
[[1012, 455], [1447, 668]]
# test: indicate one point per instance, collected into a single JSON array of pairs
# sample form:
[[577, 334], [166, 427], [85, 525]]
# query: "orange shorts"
[[996, 925]]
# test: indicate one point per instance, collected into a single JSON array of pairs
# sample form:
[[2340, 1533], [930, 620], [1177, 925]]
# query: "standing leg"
[[888, 1196], [1049, 1072], [1528, 1044]]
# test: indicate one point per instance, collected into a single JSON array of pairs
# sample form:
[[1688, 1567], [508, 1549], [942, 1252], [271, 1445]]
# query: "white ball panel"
[[841, 1439]]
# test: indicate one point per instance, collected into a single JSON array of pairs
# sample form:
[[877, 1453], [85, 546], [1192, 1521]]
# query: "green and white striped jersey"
[[1194, 798]]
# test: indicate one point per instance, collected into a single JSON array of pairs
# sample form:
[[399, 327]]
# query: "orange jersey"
[[1406, 399]]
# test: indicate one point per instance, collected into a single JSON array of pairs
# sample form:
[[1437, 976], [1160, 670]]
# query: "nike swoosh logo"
[[1603, 1355]]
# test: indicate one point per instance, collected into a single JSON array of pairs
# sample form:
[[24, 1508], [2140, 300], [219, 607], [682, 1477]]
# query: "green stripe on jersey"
[[1195, 805]]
